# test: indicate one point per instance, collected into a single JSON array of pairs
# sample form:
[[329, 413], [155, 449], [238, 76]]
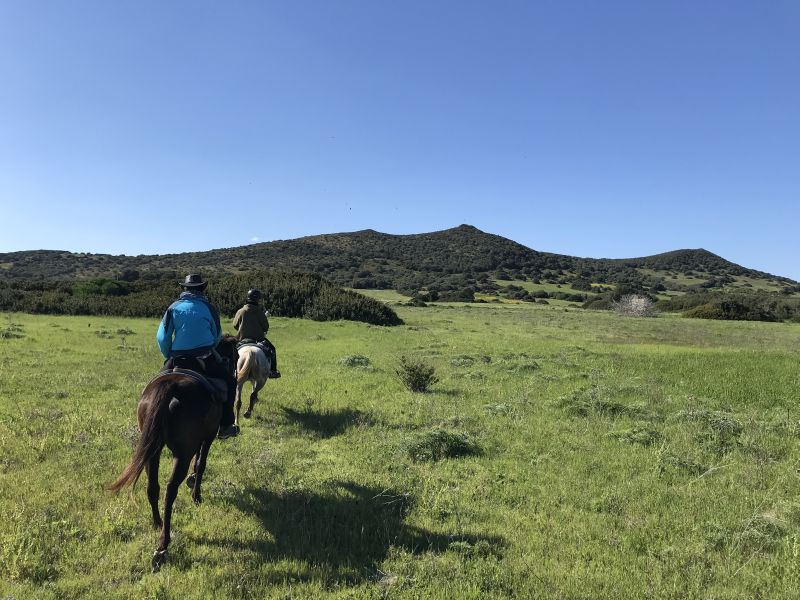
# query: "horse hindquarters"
[[244, 371], [253, 366], [153, 413]]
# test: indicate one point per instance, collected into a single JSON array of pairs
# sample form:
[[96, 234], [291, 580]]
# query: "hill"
[[451, 264]]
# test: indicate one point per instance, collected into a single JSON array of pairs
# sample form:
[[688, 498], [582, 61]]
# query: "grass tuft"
[[642, 436], [720, 430], [355, 361], [595, 400], [439, 444]]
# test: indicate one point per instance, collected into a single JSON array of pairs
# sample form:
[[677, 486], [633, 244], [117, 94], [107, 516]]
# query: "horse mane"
[[227, 347]]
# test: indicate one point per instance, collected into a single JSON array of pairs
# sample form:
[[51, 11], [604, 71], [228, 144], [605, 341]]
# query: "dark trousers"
[[273, 353], [217, 371]]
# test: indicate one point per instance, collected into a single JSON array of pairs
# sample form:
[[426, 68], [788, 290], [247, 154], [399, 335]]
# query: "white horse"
[[254, 366]]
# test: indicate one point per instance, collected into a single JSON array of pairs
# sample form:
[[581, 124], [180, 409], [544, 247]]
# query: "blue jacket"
[[190, 327]]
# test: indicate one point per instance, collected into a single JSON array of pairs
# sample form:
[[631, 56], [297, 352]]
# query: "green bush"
[[705, 311], [101, 287], [741, 305], [416, 375]]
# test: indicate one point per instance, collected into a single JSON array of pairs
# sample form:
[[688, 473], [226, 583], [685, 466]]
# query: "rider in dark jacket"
[[191, 327], [252, 324]]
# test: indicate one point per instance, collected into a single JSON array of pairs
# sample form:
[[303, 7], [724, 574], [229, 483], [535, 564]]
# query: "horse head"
[[226, 348]]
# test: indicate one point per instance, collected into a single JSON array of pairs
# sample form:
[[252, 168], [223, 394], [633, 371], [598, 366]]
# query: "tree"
[[633, 305]]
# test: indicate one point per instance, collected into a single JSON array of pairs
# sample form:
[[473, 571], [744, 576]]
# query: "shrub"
[[101, 287], [416, 375], [583, 285], [705, 311], [734, 305]]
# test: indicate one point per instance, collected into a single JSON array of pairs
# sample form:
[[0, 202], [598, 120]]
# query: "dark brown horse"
[[179, 410]]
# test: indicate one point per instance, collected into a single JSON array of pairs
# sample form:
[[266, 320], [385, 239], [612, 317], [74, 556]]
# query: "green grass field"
[[613, 458]]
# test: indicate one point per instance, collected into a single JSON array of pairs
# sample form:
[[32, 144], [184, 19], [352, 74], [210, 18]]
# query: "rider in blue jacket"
[[191, 327]]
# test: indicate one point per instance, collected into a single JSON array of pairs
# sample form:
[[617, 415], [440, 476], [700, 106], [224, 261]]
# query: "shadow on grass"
[[326, 424], [344, 533], [452, 393]]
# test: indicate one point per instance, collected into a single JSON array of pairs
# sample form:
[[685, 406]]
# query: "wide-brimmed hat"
[[193, 281]]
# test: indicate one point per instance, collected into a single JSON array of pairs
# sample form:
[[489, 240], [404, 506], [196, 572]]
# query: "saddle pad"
[[216, 387], [241, 345]]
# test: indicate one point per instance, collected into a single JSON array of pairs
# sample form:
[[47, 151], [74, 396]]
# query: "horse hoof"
[[190, 480], [159, 560], [247, 414]]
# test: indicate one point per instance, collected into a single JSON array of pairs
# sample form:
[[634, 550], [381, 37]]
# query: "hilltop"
[[452, 263]]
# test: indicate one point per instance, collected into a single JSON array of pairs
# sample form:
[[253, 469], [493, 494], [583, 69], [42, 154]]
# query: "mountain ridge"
[[448, 259]]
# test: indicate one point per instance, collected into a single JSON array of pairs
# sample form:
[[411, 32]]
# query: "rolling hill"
[[453, 262]]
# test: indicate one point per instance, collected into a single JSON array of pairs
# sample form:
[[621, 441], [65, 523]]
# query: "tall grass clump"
[[719, 427], [596, 400], [438, 444], [355, 361]]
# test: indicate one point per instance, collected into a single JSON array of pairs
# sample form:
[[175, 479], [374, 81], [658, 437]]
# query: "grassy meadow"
[[562, 454]]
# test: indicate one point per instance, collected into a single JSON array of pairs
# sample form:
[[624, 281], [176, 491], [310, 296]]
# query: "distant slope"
[[450, 261]]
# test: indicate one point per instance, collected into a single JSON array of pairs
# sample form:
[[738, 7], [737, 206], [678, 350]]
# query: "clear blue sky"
[[591, 128]]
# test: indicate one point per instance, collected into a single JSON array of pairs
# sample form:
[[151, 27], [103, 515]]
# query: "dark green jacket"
[[251, 322]]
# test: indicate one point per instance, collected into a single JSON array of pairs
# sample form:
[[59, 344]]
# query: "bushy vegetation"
[[734, 306], [416, 374], [286, 293], [610, 299]]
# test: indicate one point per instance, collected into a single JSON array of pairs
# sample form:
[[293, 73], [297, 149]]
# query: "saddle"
[[249, 342], [216, 387]]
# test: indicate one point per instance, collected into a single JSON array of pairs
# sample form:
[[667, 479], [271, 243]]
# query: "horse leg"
[[257, 385], [193, 475], [249, 412], [200, 468], [179, 470], [239, 386], [153, 490]]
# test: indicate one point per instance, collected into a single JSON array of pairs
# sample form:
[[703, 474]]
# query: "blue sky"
[[589, 128]]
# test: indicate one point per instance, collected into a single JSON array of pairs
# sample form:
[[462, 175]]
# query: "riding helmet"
[[253, 296]]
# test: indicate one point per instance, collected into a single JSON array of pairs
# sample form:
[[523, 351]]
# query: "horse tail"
[[247, 361], [153, 435]]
